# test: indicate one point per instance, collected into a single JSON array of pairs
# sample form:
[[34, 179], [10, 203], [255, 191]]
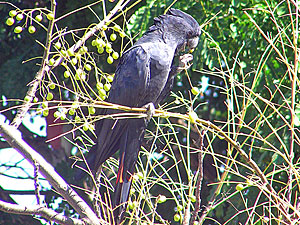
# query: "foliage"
[[248, 54]]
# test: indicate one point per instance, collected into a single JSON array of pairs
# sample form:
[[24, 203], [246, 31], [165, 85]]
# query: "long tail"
[[129, 147]]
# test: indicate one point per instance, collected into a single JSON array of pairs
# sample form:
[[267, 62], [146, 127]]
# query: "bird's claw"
[[184, 61], [150, 110]]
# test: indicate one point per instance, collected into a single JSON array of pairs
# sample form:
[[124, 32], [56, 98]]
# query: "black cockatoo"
[[144, 75]]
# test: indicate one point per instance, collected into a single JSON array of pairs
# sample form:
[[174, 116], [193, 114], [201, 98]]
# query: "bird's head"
[[184, 28]]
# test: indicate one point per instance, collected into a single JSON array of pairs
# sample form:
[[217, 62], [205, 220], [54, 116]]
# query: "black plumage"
[[144, 75]]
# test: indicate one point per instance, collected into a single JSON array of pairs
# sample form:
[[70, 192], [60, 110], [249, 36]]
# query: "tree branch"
[[9, 133], [39, 211]]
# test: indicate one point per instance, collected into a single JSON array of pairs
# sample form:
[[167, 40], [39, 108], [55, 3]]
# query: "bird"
[[143, 78]]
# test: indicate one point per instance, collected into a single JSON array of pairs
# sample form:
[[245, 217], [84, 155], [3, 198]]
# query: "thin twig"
[[39, 211], [200, 177], [36, 184]]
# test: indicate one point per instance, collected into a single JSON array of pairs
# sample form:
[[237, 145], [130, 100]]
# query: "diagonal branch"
[[39, 211], [10, 134]]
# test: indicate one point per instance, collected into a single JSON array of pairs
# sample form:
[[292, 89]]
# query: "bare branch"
[[9, 133], [39, 211]]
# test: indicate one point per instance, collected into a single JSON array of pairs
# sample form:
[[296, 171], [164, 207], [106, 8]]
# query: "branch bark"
[[10, 133], [39, 211]]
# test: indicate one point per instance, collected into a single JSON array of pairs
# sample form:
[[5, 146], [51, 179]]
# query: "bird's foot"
[[184, 61], [150, 110]]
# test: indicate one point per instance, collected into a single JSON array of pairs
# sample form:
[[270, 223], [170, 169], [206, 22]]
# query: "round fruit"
[[44, 104], [115, 55], [179, 208], [64, 53], [113, 37], [31, 29], [63, 116], [35, 99], [50, 16], [110, 78], [108, 45], [195, 90], [18, 29], [94, 43], [193, 198], [162, 199], [67, 74], [100, 50], [52, 86], [104, 27], [27, 99], [19, 16], [99, 42], [92, 110], [193, 116], [117, 28], [39, 18], [10, 21], [56, 114], [51, 61], [77, 119], [109, 50], [49, 96], [57, 45], [45, 113], [85, 127], [71, 112], [107, 87], [12, 13], [102, 92], [88, 67], [70, 52], [176, 217], [122, 34], [110, 60], [74, 61], [103, 97], [239, 187], [99, 86]]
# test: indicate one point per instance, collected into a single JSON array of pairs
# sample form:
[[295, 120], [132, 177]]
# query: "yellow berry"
[[195, 90], [107, 86], [57, 45], [12, 13], [39, 18], [18, 29], [110, 78], [88, 67], [117, 28], [49, 96], [31, 29], [51, 61], [20, 16], [10, 21], [67, 74], [161, 199], [110, 60], [99, 86], [115, 55], [50, 16], [113, 37], [239, 187], [176, 217]]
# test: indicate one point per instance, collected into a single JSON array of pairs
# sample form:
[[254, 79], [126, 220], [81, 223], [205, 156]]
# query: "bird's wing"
[[128, 88]]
